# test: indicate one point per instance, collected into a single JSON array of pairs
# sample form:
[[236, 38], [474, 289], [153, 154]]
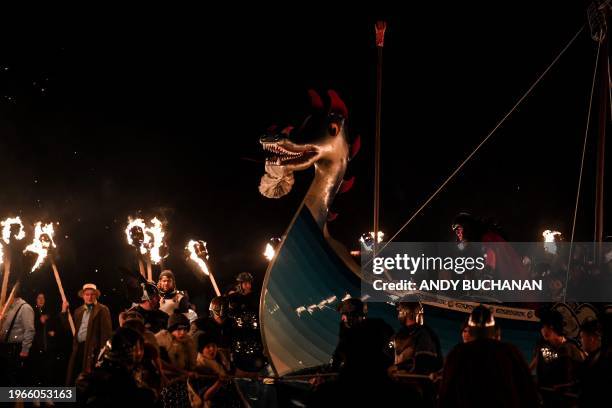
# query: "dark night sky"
[[101, 120]]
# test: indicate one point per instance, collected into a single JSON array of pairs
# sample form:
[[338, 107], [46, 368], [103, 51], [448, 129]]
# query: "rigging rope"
[[584, 145]]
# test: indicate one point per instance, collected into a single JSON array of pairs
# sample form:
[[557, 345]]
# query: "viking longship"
[[311, 272]]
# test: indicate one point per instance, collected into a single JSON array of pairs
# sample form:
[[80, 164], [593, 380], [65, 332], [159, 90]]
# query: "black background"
[[158, 113]]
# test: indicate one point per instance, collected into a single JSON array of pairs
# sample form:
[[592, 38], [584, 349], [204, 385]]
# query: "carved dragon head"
[[320, 141]]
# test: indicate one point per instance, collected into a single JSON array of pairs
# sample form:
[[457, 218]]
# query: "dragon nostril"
[[334, 129]]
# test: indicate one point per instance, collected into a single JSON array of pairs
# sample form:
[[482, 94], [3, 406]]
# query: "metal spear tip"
[[380, 27]]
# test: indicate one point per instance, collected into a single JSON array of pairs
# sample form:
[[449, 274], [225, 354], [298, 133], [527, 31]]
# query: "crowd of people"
[[163, 355], [408, 369], [160, 354]]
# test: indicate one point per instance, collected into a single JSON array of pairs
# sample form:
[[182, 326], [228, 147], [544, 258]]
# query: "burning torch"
[[135, 233], [271, 246], [156, 246], [367, 240], [149, 244], [198, 253], [550, 239], [11, 228], [41, 246]]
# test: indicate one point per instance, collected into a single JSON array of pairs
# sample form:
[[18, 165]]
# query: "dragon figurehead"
[[321, 141]]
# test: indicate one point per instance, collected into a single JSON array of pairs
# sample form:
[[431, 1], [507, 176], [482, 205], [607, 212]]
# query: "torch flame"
[[149, 239], [367, 239], [132, 224], [271, 246], [43, 240], [6, 229], [198, 253], [549, 236], [269, 252], [381, 235], [157, 237], [549, 241]]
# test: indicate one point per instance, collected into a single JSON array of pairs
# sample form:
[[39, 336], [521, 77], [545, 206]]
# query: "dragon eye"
[[334, 129]]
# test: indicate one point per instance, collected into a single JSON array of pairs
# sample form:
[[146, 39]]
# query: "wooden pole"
[[141, 268], [380, 28], [62, 294], [7, 272], [214, 283], [149, 271]]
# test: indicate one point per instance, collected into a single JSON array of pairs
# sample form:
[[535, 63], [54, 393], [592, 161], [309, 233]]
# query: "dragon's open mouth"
[[282, 154]]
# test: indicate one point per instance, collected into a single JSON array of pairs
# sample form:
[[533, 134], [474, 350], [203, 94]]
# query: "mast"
[[604, 106], [598, 13], [380, 28]]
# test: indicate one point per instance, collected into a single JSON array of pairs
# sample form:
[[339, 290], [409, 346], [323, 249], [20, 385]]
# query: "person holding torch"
[[93, 329], [172, 299]]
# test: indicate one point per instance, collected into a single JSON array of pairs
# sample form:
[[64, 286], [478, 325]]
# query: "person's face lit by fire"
[[350, 320], [465, 334], [166, 284], [210, 351], [89, 296], [151, 304], [40, 300], [551, 337], [246, 287], [180, 333], [590, 342], [459, 233]]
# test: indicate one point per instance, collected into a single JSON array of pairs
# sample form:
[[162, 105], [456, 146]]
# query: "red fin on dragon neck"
[[336, 104], [315, 100], [346, 185], [355, 147]]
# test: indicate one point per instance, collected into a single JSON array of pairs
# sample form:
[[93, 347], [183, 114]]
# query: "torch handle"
[[214, 283], [149, 271], [141, 268], [62, 294], [5, 278], [9, 301]]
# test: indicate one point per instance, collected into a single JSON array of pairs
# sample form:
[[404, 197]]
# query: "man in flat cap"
[[93, 328]]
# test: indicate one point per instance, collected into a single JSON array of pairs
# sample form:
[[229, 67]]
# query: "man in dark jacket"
[[558, 360], [216, 324], [114, 381], [596, 372], [93, 328], [362, 379], [417, 347], [154, 319], [486, 372]]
